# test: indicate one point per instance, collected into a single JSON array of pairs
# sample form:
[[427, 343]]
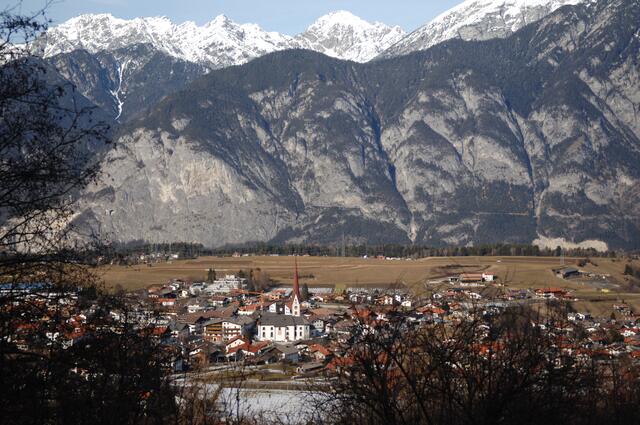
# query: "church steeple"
[[296, 299], [296, 282]]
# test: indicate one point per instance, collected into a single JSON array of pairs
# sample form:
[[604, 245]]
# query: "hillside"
[[534, 136]]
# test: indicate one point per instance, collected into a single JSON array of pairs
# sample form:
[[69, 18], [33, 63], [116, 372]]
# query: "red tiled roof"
[[234, 350], [255, 347], [551, 290], [236, 338], [159, 330], [319, 348]]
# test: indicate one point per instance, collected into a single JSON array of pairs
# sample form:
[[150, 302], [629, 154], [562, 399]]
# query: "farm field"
[[329, 271], [514, 272]]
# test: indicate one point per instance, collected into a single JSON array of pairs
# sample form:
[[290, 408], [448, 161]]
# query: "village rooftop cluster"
[[221, 322]]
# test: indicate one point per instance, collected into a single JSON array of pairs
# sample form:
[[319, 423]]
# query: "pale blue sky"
[[285, 16]]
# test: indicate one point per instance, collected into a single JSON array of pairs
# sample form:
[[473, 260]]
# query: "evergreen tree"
[[304, 292], [211, 276], [628, 270]]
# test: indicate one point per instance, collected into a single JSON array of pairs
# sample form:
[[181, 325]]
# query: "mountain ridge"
[[508, 140], [120, 55], [477, 20], [220, 42]]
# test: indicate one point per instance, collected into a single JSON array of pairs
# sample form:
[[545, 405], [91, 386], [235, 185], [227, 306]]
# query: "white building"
[[289, 308], [226, 284], [282, 328], [488, 277]]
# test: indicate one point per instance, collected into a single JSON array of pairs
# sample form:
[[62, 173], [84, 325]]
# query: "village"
[[293, 332]]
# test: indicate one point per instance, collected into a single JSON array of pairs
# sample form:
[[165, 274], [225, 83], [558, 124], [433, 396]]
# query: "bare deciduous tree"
[[502, 369]]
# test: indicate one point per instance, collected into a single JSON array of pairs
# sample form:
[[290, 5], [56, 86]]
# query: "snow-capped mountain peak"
[[216, 44], [478, 20], [343, 35], [340, 17], [221, 42]]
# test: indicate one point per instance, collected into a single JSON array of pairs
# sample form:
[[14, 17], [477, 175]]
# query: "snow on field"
[[291, 407]]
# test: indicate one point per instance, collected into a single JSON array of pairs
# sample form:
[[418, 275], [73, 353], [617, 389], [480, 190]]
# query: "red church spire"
[[296, 283]]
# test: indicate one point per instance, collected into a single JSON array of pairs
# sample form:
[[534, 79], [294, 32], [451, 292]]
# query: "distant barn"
[[566, 272]]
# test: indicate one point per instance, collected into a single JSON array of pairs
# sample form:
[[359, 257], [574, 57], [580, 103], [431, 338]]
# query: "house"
[[212, 330], [268, 356], [239, 325], [551, 293], [281, 328], [318, 324], [309, 368], [473, 278], [198, 354], [196, 288], [194, 306], [473, 295], [226, 285], [287, 353], [320, 353], [219, 300], [220, 330], [179, 330], [236, 342], [466, 278], [248, 310], [166, 302], [386, 300], [344, 330], [488, 277], [257, 348], [163, 333], [277, 294], [196, 321], [240, 348], [406, 303]]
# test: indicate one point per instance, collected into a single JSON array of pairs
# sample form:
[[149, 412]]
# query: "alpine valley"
[[500, 121]]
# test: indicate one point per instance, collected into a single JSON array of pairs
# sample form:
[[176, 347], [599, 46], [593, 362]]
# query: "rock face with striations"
[[534, 136], [125, 82]]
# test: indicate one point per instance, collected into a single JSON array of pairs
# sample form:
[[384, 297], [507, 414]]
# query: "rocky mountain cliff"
[[127, 81], [534, 136]]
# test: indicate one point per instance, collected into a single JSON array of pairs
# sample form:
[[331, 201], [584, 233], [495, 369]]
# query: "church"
[[291, 307], [289, 325]]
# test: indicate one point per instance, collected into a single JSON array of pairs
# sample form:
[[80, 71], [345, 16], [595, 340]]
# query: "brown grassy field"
[[514, 272], [322, 271]]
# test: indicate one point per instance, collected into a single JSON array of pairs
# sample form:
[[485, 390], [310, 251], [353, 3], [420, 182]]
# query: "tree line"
[[409, 251]]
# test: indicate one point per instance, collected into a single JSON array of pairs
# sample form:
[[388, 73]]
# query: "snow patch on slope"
[[117, 92]]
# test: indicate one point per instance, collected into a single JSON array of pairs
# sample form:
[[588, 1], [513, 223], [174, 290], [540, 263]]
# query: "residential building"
[[220, 330]]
